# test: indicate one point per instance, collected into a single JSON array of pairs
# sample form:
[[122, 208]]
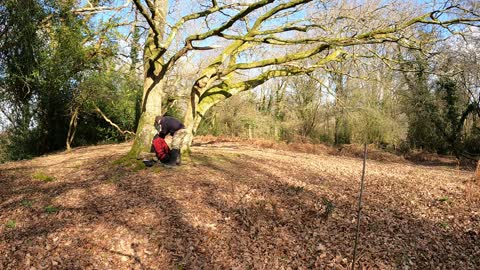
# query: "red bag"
[[161, 149]]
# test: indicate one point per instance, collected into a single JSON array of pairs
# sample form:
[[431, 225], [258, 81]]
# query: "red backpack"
[[161, 149]]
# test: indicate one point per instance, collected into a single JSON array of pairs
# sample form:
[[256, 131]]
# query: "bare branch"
[[92, 10], [97, 109], [286, 70], [147, 17], [188, 42], [205, 48], [242, 14], [153, 10], [276, 10], [202, 14], [279, 60]]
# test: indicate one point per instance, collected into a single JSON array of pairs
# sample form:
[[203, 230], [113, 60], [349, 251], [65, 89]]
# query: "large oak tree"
[[250, 42]]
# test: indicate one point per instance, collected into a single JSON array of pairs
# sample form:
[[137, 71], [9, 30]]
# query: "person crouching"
[[167, 125]]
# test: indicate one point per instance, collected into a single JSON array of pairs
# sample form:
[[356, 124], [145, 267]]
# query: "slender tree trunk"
[[72, 129], [340, 119], [336, 132]]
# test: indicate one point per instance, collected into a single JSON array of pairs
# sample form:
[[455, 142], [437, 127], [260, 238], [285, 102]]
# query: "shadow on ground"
[[225, 210]]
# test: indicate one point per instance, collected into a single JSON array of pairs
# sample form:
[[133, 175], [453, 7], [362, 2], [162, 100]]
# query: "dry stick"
[[359, 206], [112, 123]]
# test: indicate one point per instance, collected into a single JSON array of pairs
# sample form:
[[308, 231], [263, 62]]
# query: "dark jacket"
[[168, 125]]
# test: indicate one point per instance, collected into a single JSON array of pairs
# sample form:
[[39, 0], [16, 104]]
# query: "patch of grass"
[[137, 165], [157, 169], [443, 199], [212, 159], [26, 203], [122, 160], [51, 209], [43, 177], [444, 225], [329, 207], [11, 224], [129, 162]]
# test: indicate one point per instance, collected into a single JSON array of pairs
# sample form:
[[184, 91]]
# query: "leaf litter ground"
[[234, 207]]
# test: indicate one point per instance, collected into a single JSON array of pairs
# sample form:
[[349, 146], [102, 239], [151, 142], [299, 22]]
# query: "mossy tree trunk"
[[151, 99], [154, 81]]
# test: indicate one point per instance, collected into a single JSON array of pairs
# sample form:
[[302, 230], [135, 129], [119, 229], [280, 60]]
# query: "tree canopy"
[[77, 66]]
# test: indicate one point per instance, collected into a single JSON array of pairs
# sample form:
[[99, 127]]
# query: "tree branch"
[[97, 109], [279, 60], [147, 17], [287, 70], [242, 14], [276, 10], [177, 26], [92, 10]]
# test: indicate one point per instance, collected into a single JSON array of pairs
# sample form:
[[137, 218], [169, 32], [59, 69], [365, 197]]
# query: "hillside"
[[233, 207]]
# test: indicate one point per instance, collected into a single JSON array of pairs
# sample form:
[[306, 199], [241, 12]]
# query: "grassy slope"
[[234, 206]]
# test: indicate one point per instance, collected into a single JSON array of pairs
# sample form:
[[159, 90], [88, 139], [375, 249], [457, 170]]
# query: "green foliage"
[[372, 125], [116, 96], [43, 177], [26, 203], [51, 65], [433, 114], [329, 207], [438, 112], [20, 70], [471, 141], [453, 109], [443, 199], [11, 224], [129, 162], [41, 61], [23, 143], [50, 209], [54, 63], [3, 149], [444, 225], [437, 116], [343, 129]]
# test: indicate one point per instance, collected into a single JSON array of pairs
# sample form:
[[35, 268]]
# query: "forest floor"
[[234, 206]]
